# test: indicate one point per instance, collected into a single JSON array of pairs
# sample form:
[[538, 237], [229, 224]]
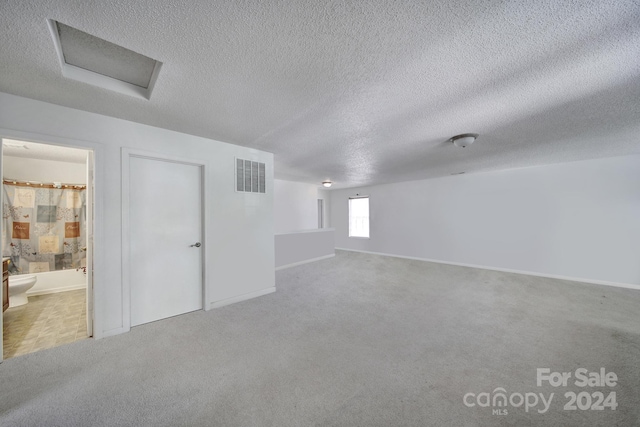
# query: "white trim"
[[90, 227], [154, 78], [126, 154], [239, 298], [56, 290], [505, 270], [113, 332], [207, 206], [125, 289], [312, 230], [306, 261]]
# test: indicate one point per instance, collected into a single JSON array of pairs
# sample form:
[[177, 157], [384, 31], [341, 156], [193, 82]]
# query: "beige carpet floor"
[[355, 340]]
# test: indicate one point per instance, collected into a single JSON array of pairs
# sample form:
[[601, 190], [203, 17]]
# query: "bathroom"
[[44, 246]]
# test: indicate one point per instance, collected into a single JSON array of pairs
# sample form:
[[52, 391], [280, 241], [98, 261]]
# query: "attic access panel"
[[98, 62]]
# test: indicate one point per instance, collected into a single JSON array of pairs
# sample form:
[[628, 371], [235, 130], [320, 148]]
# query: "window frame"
[[368, 218]]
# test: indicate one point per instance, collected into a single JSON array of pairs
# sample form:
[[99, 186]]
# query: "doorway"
[[165, 224], [320, 213], [47, 241]]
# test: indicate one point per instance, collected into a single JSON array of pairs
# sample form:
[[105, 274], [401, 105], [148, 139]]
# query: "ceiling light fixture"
[[327, 183], [464, 140]]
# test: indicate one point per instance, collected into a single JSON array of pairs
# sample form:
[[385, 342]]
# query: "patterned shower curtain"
[[44, 227]]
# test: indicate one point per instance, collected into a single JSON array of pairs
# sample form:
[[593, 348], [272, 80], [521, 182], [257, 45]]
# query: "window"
[[359, 217]]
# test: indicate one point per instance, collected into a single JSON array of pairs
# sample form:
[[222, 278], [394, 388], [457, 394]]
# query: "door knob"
[[197, 245]]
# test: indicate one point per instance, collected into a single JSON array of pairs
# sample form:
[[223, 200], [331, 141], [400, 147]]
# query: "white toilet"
[[18, 287]]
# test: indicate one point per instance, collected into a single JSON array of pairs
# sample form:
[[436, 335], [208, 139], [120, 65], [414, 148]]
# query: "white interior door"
[[165, 223]]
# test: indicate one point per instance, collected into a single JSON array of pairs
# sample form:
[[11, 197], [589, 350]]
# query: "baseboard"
[[250, 295], [505, 270], [111, 332], [306, 261], [56, 290]]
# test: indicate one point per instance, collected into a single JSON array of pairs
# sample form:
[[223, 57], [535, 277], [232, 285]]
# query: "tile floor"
[[46, 321]]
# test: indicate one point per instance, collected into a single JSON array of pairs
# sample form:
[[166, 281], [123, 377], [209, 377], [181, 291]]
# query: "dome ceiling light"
[[464, 140], [327, 183]]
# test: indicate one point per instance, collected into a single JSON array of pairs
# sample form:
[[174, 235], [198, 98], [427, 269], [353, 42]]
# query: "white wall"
[[295, 206], [301, 247], [579, 220], [238, 225], [21, 168]]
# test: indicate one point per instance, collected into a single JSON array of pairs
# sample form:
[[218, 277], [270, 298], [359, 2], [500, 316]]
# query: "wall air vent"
[[250, 176], [97, 62]]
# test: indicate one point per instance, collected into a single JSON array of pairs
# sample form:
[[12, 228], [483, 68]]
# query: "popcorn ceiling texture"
[[359, 92]]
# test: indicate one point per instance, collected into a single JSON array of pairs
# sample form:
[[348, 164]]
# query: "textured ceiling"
[[360, 92]]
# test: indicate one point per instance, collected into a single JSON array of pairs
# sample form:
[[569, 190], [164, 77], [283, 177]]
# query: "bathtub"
[[58, 281]]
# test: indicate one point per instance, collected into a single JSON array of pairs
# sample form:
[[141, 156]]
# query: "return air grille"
[[250, 176]]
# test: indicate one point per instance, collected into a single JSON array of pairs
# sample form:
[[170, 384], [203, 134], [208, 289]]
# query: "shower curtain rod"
[[20, 183]]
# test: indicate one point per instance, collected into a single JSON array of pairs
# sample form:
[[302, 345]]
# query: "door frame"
[[126, 154], [94, 295]]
